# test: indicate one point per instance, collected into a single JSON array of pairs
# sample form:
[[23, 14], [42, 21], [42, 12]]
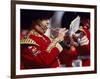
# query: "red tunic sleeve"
[[42, 58]]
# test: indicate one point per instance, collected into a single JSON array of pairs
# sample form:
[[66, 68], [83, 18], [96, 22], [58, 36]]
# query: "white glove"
[[83, 41]]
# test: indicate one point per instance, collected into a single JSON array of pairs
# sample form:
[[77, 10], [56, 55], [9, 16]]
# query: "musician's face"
[[42, 25], [86, 23]]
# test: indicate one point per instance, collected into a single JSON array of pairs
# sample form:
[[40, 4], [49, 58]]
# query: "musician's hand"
[[61, 33], [83, 41]]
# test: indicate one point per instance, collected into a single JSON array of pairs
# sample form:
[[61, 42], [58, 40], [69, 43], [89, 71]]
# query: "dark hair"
[[28, 16]]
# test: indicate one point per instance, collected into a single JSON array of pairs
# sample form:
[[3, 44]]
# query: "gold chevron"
[[28, 41]]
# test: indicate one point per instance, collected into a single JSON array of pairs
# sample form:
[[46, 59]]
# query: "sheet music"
[[74, 26]]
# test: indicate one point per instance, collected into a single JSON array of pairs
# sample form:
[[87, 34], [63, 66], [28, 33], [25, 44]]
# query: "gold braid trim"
[[28, 41], [53, 44]]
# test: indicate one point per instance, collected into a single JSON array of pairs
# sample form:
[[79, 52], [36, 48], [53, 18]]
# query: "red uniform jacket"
[[84, 51], [67, 56], [34, 54]]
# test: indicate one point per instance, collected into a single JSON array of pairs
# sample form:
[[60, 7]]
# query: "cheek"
[[43, 23], [39, 29]]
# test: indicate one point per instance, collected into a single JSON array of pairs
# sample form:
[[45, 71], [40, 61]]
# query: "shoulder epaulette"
[[28, 41]]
